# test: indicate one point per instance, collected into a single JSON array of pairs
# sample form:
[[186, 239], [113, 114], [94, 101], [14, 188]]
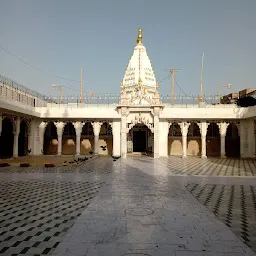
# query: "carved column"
[[96, 129], [16, 137], [223, 129], [42, 127], [203, 130], [124, 132], [184, 130], [60, 128], [78, 126], [156, 132]]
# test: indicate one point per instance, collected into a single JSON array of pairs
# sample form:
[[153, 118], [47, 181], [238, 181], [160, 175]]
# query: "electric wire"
[[39, 69]]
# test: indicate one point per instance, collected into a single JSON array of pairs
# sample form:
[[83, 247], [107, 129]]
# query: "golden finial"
[[140, 80], [121, 84], [139, 39], [157, 84]]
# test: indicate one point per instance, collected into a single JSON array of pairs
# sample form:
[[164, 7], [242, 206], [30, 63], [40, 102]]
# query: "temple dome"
[[139, 69]]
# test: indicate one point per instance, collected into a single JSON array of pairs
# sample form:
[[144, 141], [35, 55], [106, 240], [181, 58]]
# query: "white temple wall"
[[247, 138], [163, 138], [116, 130]]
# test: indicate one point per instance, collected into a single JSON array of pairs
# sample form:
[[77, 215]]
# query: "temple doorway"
[[140, 139]]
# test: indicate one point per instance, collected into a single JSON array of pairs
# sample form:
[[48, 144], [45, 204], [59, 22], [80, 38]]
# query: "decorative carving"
[[139, 119]]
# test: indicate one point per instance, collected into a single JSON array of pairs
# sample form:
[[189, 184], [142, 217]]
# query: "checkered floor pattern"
[[210, 166], [100, 165], [36, 215], [235, 205]]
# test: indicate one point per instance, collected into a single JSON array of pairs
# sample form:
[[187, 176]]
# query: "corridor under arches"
[[7, 138], [105, 139], [23, 139], [232, 141], [50, 140]]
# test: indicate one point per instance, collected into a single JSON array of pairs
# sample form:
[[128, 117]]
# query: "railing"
[[114, 99], [16, 92], [13, 91]]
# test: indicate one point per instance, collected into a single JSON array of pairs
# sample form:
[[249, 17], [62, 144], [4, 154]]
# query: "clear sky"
[[61, 36]]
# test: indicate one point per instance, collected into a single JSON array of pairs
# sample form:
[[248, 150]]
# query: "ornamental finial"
[[139, 39]]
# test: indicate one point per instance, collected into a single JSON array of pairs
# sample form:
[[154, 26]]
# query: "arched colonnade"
[[77, 138], [204, 139], [15, 136]]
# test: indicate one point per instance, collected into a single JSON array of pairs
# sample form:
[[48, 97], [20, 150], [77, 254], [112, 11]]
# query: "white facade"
[[140, 113]]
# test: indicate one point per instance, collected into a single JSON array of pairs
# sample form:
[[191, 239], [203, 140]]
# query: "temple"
[[139, 121]]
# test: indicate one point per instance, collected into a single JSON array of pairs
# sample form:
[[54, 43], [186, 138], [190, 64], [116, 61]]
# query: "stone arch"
[[23, 138], [7, 138], [175, 140], [232, 141], [50, 139], [194, 145], [149, 126], [87, 139], [69, 139], [105, 139], [213, 140]]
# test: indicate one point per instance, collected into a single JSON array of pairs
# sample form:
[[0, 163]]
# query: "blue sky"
[[61, 36]]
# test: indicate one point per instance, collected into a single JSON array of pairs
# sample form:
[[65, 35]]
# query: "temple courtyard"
[[133, 206]]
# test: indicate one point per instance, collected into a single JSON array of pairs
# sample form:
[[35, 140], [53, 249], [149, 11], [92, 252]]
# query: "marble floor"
[[133, 206]]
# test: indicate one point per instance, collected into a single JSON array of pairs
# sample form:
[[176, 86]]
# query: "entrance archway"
[[194, 140], [105, 139], [175, 140], [140, 139], [232, 141], [6, 149], [50, 139], [213, 140], [23, 139]]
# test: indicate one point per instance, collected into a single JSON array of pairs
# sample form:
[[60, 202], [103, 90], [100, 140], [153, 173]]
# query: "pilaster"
[[124, 113], [156, 132], [116, 130]]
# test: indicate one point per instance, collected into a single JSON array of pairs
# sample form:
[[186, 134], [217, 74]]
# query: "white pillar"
[[223, 129], [156, 132], [184, 130], [116, 138], [184, 145], [42, 127], [203, 140], [15, 144], [60, 128], [96, 129], [16, 137], [78, 127], [203, 130], [123, 133]]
